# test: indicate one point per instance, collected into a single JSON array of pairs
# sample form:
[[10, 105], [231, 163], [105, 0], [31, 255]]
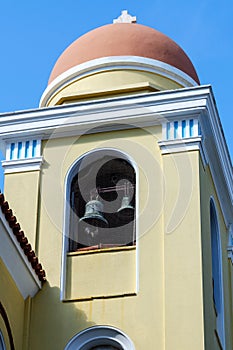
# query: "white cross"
[[125, 18]]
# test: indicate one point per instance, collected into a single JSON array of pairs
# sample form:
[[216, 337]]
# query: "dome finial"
[[125, 18]]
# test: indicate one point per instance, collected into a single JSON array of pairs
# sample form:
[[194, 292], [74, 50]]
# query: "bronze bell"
[[93, 214], [126, 210]]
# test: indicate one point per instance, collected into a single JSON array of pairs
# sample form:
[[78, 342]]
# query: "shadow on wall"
[[53, 322]]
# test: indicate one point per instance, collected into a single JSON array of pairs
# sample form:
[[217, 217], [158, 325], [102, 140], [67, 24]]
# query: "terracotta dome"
[[124, 39]]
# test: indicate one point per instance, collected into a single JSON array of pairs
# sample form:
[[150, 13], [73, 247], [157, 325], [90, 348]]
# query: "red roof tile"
[[22, 239]]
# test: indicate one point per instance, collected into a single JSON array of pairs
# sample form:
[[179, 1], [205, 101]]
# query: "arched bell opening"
[[217, 274], [102, 202]]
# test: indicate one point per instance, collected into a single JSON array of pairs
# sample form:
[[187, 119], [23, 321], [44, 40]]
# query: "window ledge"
[[101, 250]]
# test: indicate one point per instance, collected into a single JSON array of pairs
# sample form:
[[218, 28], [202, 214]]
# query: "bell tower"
[[123, 181]]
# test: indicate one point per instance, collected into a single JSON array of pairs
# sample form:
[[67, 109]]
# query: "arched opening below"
[[217, 278], [102, 202], [2, 343], [100, 338]]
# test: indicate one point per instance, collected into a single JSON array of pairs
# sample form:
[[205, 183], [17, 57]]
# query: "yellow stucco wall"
[[113, 80], [182, 253], [13, 304], [167, 301], [70, 317], [85, 269], [208, 191], [169, 281], [21, 191]]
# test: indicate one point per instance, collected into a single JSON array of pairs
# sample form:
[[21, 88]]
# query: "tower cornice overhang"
[[136, 111], [107, 114]]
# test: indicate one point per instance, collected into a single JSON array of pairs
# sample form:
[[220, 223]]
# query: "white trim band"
[[180, 145], [21, 165], [115, 63]]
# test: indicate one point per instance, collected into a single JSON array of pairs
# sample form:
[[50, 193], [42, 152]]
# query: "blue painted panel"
[[12, 150], [34, 143], [176, 130], [19, 154], [183, 128], [27, 149], [168, 131], [191, 127]]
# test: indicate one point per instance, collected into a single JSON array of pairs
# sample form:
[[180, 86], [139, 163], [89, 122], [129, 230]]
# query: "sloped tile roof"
[[22, 239]]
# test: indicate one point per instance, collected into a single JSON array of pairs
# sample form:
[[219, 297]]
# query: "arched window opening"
[[217, 271], [100, 338], [102, 202], [215, 258], [5, 319], [2, 343]]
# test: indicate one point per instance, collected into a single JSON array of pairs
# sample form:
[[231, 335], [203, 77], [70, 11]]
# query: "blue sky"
[[35, 33]]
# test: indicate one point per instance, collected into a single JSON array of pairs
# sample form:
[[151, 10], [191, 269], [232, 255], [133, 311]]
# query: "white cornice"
[[105, 114], [180, 145], [218, 157], [115, 63], [220, 143], [21, 165]]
